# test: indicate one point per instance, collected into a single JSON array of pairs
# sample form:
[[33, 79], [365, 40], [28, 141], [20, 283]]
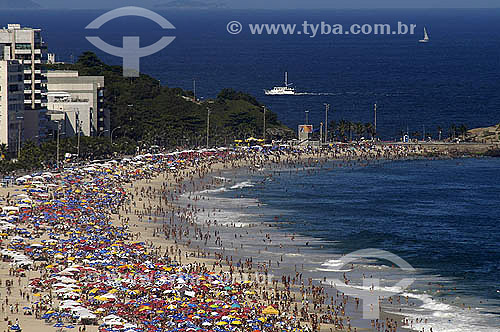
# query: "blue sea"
[[440, 216], [454, 79]]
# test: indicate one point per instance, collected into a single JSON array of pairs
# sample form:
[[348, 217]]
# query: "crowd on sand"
[[77, 253]]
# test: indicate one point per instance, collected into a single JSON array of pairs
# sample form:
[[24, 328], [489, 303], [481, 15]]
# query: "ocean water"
[[441, 216], [454, 79]]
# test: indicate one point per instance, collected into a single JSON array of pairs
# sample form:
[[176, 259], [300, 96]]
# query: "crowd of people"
[[76, 235]]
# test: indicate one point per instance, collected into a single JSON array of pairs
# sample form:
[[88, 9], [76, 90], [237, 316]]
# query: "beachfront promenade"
[[105, 247]]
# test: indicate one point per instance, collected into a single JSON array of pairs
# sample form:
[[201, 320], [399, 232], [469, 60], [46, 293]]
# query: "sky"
[[281, 4]]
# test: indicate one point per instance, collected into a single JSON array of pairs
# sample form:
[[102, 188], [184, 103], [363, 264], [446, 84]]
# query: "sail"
[[426, 36]]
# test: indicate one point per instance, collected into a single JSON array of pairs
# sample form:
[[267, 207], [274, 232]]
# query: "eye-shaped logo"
[[131, 52], [368, 292]]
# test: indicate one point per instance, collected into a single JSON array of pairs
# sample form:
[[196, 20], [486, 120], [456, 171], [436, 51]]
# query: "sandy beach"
[[104, 241]]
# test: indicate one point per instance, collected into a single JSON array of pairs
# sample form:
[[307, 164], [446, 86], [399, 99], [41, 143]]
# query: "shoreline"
[[207, 256], [214, 190], [174, 183], [215, 173]]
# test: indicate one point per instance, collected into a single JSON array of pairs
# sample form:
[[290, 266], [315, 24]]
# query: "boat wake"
[[317, 94]]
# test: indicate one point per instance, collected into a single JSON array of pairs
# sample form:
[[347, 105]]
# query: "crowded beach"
[[79, 252]]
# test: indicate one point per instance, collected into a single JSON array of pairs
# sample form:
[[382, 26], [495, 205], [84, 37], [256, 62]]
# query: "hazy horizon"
[[277, 4]]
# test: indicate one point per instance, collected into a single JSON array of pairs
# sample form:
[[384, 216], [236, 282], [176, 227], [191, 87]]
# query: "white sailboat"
[[281, 90], [426, 37]]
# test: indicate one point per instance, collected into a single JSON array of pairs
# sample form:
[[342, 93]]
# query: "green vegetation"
[[153, 114], [145, 113]]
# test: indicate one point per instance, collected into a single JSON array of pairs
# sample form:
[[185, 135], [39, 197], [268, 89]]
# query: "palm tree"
[[350, 125], [369, 129], [463, 130], [342, 127], [359, 128], [453, 131], [332, 127]]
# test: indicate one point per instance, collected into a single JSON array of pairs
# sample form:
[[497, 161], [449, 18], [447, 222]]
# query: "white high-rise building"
[[27, 46], [81, 98], [11, 103]]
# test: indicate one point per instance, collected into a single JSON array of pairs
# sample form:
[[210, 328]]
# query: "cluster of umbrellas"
[[98, 275]]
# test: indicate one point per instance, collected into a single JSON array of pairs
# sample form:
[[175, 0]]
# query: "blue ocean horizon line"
[[453, 79]]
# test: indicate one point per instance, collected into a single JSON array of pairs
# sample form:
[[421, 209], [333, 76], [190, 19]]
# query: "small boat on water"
[[426, 37], [281, 90]]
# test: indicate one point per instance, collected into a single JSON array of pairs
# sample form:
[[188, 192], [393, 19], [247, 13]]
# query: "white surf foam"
[[444, 317], [217, 190], [334, 265], [244, 184]]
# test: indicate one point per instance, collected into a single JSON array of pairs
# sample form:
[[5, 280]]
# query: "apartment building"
[[26, 45], [11, 103], [81, 99]]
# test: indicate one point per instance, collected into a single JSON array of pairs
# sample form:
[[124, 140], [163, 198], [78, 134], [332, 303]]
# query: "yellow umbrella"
[[221, 323], [270, 311]]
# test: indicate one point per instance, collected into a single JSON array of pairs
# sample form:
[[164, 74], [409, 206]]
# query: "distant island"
[[18, 4], [191, 4]]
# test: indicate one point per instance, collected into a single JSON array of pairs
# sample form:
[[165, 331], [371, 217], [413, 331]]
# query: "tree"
[[332, 127], [165, 116], [343, 127], [3, 151], [359, 128], [370, 129], [463, 131], [453, 131]]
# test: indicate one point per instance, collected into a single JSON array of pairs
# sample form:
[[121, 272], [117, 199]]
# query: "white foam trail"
[[218, 190], [317, 94], [244, 184], [334, 265], [443, 317]]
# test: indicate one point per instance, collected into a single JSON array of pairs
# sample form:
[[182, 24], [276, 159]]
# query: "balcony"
[[20, 51], [27, 71]]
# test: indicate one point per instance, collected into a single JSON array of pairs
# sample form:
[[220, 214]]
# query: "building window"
[[23, 46]]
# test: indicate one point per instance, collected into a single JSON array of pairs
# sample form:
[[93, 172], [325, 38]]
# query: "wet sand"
[[153, 214], [154, 227]]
